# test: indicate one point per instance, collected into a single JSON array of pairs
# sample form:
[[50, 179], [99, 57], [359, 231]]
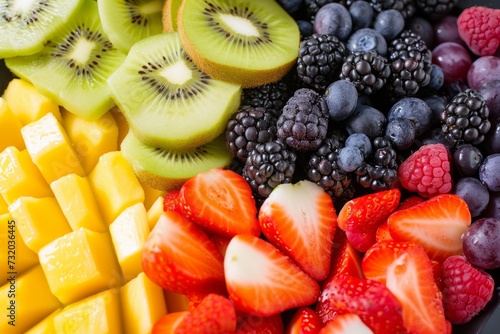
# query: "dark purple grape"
[[437, 103], [333, 19], [341, 98], [291, 6], [474, 193], [446, 30], [367, 120], [491, 95], [367, 39], [361, 141], [454, 60], [389, 23], [422, 27], [467, 158], [493, 207], [489, 172], [481, 243], [401, 132], [350, 158], [415, 110], [482, 70], [361, 14], [491, 143]]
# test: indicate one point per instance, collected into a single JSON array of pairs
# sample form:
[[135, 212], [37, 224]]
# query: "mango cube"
[[99, 313], [115, 185], [78, 204], [27, 103], [151, 195], [142, 304], [155, 212], [4, 208], [26, 300], [20, 176], [39, 220], [91, 139], [51, 149], [45, 326], [129, 231], [79, 264], [10, 128]]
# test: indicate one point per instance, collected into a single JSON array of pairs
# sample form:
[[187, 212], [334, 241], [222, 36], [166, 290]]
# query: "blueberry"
[[389, 23], [489, 172], [423, 28], [414, 109], [367, 39], [467, 158], [341, 99], [305, 27], [473, 192], [401, 132], [437, 78], [367, 120], [350, 158], [333, 19], [361, 14], [291, 6], [361, 141], [437, 103]]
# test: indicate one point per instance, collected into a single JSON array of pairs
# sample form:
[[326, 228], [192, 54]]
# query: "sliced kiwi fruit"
[[128, 21], [26, 25], [167, 169], [167, 101], [242, 41], [169, 15], [73, 67]]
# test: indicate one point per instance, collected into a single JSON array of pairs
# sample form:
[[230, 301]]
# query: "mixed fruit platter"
[[238, 166]]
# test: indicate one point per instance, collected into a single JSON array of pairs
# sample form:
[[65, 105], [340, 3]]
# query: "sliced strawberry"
[[171, 200], [345, 258], [221, 201], [179, 257], [361, 216], [300, 220], [256, 324], [263, 281], [348, 323], [169, 322], [437, 224], [221, 242], [383, 233], [304, 321], [409, 202]]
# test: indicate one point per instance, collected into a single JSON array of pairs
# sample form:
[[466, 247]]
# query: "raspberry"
[[479, 27], [466, 290], [427, 171]]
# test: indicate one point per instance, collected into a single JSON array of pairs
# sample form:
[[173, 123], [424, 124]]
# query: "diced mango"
[[10, 128], [79, 264], [26, 300], [51, 149], [176, 302], [27, 103], [91, 139], [129, 231], [115, 185], [39, 220], [20, 176], [46, 326], [4, 207], [155, 212], [121, 122], [78, 204], [151, 195], [99, 313]]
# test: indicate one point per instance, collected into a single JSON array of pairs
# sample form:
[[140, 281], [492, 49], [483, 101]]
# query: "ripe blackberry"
[[433, 9], [303, 124], [269, 165], [465, 118], [407, 8], [247, 128], [319, 60], [270, 96], [368, 71]]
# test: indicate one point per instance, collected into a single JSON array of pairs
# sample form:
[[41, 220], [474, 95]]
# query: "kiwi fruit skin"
[[169, 15], [167, 169], [245, 73]]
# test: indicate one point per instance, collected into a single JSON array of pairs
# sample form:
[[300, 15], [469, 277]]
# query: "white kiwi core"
[[178, 73], [23, 6], [240, 25], [82, 51], [151, 7]]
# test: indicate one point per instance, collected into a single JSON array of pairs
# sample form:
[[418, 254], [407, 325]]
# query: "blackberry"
[[368, 71], [247, 128], [465, 119], [380, 169], [270, 96], [319, 60], [435, 9], [303, 124], [407, 8], [267, 166]]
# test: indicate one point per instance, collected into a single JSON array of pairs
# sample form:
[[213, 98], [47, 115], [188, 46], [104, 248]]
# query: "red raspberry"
[[427, 171], [479, 27], [466, 290]]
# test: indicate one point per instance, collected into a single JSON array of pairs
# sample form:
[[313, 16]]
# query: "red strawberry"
[[466, 289], [364, 297], [263, 281], [479, 27], [409, 202], [221, 201], [179, 257], [304, 321], [171, 200], [382, 233], [169, 322], [300, 220], [361, 216], [256, 324], [436, 224], [383, 230], [345, 258], [347, 323], [220, 242]]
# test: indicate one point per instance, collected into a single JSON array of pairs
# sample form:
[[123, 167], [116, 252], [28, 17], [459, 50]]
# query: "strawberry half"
[[361, 216], [263, 281], [169, 322], [383, 230], [345, 258], [436, 224], [171, 200], [347, 323], [179, 257], [256, 324], [221, 201], [300, 220], [304, 321]]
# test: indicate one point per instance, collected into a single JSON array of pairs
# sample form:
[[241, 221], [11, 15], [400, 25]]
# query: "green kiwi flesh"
[[169, 15], [165, 169], [128, 21], [167, 101], [26, 25], [74, 66], [257, 41]]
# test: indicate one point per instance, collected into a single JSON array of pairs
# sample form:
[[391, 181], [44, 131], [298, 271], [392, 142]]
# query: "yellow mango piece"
[[4, 207], [98, 314], [151, 195], [115, 185], [78, 204], [10, 128], [128, 232], [39, 220], [142, 303], [91, 139], [46, 326], [25, 300], [176, 302], [51, 149], [20, 177], [79, 264], [27, 103], [121, 122], [14, 255], [155, 212]]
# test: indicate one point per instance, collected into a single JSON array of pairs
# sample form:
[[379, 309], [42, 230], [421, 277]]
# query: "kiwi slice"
[[168, 169], [73, 67], [167, 101], [169, 15], [128, 21], [242, 41], [26, 25]]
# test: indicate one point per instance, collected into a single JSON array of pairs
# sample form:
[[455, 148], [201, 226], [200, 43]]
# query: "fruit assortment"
[[249, 167]]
